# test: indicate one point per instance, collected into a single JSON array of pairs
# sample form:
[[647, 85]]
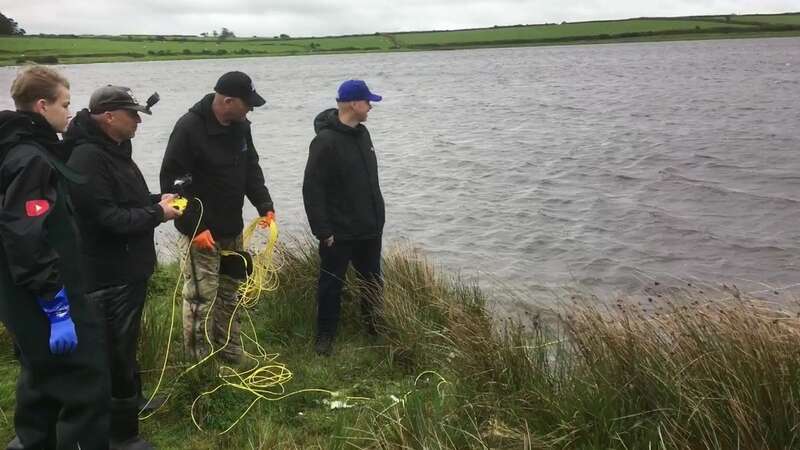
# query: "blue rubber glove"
[[63, 339]]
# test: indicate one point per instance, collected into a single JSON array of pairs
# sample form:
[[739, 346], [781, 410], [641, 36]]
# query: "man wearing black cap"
[[117, 214], [345, 207], [213, 143]]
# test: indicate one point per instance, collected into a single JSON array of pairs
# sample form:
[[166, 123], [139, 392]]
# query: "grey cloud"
[[323, 17]]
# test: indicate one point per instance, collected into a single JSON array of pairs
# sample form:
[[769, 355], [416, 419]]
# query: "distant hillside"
[[68, 49]]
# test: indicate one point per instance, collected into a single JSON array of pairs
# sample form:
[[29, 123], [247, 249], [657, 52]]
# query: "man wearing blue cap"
[[345, 207]]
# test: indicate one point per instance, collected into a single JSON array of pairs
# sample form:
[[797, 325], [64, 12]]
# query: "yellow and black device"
[[179, 203]]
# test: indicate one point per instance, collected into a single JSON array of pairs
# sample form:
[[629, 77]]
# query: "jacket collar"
[[213, 127], [83, 129], [20, 125]]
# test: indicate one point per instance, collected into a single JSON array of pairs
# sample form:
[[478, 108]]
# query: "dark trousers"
[[121, 307], [62, 401], [366, 258]]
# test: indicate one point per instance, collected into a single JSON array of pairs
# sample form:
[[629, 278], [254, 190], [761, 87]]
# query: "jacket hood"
[[82, 129], [203, 110], [18, 125], [15, 124], [203, 107], [12, 126], [329, 119]]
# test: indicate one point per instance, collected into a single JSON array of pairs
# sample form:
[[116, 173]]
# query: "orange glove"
[[204, 241], [267, 220]]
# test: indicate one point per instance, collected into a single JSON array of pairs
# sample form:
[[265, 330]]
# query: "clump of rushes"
[[689, 368]]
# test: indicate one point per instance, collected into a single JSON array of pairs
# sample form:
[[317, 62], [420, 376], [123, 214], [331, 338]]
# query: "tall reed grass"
[[697, 368]]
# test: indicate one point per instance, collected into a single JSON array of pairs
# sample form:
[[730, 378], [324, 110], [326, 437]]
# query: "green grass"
[[90, 49], [85, 49], [563, 31], [691, 368], [777, 19]]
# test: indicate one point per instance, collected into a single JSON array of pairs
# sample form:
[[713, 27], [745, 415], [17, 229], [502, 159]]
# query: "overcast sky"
[[327, 17]]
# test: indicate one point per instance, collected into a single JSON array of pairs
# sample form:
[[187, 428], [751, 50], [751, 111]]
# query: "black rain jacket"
[[224, 166], [38, 233], [115, 207], [341, 192]]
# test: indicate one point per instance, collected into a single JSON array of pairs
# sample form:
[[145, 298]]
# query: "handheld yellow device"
[[179, 203]]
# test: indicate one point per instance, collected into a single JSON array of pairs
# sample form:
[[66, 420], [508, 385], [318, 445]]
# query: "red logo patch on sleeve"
[[35, 208]]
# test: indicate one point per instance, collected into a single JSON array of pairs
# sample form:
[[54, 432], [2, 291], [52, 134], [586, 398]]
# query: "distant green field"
[[83, 49], [89, 45], [778, 19], [555, 31]]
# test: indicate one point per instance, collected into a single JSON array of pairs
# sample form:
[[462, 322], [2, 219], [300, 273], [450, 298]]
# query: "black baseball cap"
[[239, 85], [111, 98]]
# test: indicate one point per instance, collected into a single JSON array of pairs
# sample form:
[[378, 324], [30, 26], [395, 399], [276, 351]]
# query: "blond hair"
[[34, 82]]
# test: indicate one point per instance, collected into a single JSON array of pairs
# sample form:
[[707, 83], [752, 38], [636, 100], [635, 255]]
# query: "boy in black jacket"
[[62, 396], [345, 207]]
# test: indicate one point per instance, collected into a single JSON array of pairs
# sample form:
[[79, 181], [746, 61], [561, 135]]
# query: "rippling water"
[[596, 166]]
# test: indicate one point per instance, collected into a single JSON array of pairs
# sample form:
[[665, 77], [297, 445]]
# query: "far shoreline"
[[87, 49], [655, 39]]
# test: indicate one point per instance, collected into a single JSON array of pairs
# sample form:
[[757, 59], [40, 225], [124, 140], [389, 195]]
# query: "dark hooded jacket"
[[223, 163], [341, 192], [38, 234], [115, 208]]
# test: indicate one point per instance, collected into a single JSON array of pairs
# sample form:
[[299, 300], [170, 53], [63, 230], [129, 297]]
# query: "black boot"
[[324, 344], [125, 425], [147, 406]]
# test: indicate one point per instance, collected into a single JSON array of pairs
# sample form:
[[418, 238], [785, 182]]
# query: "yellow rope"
[[171, 324], [267, 378]]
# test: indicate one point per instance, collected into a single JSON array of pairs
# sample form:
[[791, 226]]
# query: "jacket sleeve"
[[256, 189], [28, 196], [315, 180], [179, 160], [95, 201]]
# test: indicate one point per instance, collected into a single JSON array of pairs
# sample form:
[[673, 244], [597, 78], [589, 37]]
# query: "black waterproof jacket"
[[115, 208], [341, 192], [38, 234], [224, 166]]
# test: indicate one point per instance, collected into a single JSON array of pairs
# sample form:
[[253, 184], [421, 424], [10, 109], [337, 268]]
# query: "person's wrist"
[[160, 212], [57, 308]]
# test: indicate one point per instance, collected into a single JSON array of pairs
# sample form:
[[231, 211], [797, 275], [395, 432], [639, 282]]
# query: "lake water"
[[599, 166]]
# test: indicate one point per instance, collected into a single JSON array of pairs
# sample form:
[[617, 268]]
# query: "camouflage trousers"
[[209, 301]]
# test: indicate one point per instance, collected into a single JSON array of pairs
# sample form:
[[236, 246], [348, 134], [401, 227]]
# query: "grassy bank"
[[70, 49], [697, 368]]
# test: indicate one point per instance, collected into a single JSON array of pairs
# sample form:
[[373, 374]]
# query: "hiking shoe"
[[147, 406], [134, 443]]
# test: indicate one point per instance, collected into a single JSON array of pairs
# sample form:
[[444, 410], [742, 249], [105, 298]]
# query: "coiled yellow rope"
[[266, 379]]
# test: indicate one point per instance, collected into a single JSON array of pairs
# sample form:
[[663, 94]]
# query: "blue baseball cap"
[[354, 90]]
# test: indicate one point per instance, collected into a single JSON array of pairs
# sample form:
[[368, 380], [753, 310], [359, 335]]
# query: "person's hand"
[[267, 220], [204, 241], [328, 241], [170, 212], [63, 339]]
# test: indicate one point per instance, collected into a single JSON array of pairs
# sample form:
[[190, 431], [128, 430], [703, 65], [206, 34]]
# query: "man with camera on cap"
[[213, 143], [118, 214], [345, 208]]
